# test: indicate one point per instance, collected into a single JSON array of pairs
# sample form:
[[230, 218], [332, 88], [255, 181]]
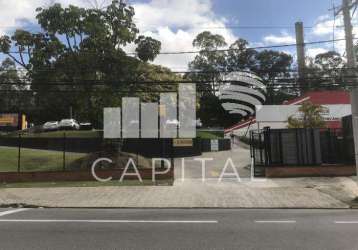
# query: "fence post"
[[252, 152], [280, 147], [172, 153], [64, 151], [298, 148], [267, 145], [163, 141], [251, 144], [329, 138], [138, 155], [19, 154], [313, 145], [260, 146]]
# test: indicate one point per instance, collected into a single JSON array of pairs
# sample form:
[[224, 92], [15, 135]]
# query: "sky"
[[177, 22]]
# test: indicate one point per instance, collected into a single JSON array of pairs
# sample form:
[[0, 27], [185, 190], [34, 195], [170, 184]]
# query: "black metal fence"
[[301, 147], [64, 153]]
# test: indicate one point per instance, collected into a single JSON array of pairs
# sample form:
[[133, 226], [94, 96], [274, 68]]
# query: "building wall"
[[281, 113], [276, 116]]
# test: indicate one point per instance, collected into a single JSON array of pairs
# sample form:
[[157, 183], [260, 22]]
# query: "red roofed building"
[[316, 97], [322, 98]]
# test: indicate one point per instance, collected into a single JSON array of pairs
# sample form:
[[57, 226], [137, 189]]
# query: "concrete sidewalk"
[[293, 193]]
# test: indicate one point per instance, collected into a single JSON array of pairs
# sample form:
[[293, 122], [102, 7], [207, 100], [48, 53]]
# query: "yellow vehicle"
[[12, 122]]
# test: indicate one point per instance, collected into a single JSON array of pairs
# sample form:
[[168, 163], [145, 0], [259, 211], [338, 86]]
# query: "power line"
[[257, 48], [244, 27], [195, 72], [218, 50], [279, 87], [169, 83], [188, 27], [234, 27]]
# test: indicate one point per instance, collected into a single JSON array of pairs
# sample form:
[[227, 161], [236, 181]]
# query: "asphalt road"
[[177, 229]]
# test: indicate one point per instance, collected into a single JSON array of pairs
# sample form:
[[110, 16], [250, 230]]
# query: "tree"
[[78, 60], [148, 48], [212, 60], [212, 114], [11, 99], [330, 65], [311, 116], [327, 69], [207, 67], [240, 57], [274, 67], [208, 41], [9, 75], [328, 61]]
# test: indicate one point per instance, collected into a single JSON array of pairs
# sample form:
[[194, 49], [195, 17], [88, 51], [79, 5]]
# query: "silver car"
[[69, 124], [51, 126]]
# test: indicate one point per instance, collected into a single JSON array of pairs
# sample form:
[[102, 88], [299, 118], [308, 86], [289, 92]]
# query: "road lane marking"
[[114, 221], [275, 221], [13, 211], [346, 222]]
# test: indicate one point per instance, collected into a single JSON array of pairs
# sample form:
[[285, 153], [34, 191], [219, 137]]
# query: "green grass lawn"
[[204, 134], [60, 134], [210, 134], [48, 160], [34, 159]]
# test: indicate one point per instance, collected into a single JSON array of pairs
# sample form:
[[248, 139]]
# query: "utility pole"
[[347, 5], [301, 58], [351, 64], [351, 60]]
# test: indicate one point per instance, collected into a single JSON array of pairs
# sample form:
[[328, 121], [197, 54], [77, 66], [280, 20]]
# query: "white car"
[[51, 126], [173, 122], [69, 124]]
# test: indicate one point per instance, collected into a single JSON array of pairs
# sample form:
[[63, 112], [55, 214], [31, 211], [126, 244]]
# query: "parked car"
[[86, 126], [174, 122], [71, 124], [51, 126]]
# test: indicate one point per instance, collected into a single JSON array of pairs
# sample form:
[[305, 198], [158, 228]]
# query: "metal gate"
[[299, 147]]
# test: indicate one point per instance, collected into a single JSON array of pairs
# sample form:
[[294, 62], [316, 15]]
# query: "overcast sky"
[[176, 22]]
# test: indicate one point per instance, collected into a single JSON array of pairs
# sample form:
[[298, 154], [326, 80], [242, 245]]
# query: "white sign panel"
[[214, 145]]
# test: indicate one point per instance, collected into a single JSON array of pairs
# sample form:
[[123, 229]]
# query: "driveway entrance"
[[239, 154]]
